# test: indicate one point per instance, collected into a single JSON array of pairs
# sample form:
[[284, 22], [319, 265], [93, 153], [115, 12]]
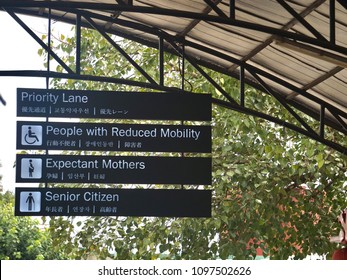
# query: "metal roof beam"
[[215, 8], [195, 22], [201, 71], [293, 127], [125, 2], [120, 50], [256, 85], [317, 81], [301, 20], [176, 13], [317, 53], [263, 73], [322, 120], [213, 52], [336, 117], [38, 40], [332, 21], [282, 101], [161, 61], [343, 3], [78, 44], [340, 120], [73, 76], [209, 79], [287, 26], [232, 9]]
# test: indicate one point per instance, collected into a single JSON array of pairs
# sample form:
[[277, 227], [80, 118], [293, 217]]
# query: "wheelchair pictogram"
[[32, 135]]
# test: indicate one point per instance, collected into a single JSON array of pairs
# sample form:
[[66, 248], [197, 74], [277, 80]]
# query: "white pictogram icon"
[[32, 135], [31, 168], [30, 202]]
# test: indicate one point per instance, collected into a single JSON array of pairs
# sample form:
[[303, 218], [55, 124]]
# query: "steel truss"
[[86, 15]]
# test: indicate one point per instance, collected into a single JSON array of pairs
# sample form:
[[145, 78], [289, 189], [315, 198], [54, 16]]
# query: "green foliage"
[[21, 237], [272, 188], [264, 172], [1, 187]]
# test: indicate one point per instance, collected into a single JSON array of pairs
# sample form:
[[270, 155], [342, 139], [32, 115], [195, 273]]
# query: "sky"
[[18, 51]]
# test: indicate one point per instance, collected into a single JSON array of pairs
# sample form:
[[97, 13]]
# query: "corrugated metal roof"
[[294, 46]]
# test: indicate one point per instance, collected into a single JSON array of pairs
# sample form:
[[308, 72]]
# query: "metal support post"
[[232, 9], [322, 124], [183, 66], [49, 46], [161, 61], [332, 22], [242, 86], [78, 44]]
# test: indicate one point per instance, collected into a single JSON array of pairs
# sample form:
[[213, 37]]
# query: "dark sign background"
[[114, 105], [157, 170], [107, 142], [131, 202]]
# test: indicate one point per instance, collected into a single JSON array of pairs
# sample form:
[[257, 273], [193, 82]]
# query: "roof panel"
[[265, 11], [228, 40], [286, 64], [335, 90]]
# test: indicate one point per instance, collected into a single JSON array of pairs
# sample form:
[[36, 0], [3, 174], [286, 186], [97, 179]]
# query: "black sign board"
[[112, 202], [113, 137], [113, 105], [113, 169]]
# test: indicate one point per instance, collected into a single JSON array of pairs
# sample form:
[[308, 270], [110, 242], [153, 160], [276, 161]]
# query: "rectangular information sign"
[[113, 105], [113, 169], [112, 202], [113, 137]]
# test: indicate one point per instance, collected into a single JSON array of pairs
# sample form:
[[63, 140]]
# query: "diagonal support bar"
[[42, 44], [301, 20], [339, 119], [282, 101], [214, 7], [283, 123], [201, 71], [208, 78], [118, 48]]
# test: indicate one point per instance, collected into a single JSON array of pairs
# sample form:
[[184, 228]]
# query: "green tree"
[[273, 188], [1, 187], [21, 238]]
